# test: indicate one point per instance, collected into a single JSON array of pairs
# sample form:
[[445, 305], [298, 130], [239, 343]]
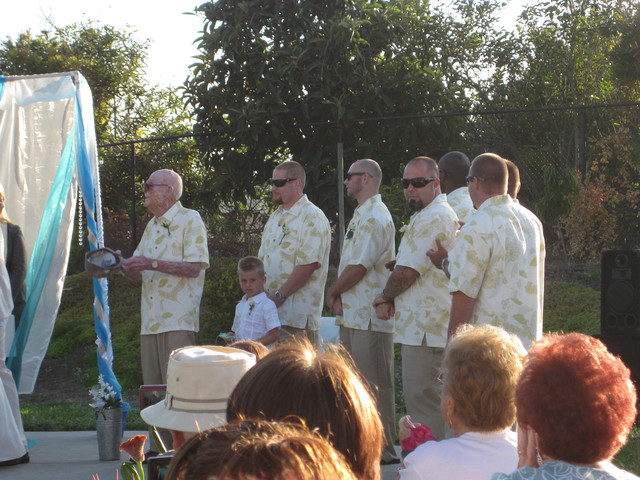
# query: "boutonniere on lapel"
[[252, 305], [350, 232], [285, 232], [166, 224], [403, 228]]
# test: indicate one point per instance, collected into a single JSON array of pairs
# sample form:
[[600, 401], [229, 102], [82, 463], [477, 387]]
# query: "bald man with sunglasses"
[[295, 250], [418, 294]]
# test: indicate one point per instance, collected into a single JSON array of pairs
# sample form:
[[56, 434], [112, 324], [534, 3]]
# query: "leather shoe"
[[16, 461]]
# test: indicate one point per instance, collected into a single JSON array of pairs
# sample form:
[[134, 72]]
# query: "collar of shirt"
[[496, 201], [169, 214], [296, 208], [366, 205]]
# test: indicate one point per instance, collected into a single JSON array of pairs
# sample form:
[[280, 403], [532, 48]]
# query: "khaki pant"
[[420, 385], [372, 354], [154, 357], [287, 333]]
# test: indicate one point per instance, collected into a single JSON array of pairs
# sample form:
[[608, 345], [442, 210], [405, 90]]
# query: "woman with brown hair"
[[258, 450], [323, 390], [576, 405]]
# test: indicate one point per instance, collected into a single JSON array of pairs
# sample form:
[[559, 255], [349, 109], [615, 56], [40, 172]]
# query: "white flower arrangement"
[[103, 395]]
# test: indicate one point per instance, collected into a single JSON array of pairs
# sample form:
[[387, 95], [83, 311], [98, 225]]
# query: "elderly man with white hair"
[[170, 260]]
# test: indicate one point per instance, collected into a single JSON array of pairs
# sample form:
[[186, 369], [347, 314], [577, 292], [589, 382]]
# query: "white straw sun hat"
[[199, 382]]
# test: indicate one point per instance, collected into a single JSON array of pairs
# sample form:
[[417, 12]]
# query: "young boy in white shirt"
[[256, 315]]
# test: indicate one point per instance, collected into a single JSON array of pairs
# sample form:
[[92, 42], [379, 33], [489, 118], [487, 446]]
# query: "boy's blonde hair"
[[251, 264]]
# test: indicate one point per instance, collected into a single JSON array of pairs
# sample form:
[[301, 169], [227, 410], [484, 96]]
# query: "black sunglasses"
[[417, 182], [471, 177], [148, 186], [280, 182], [351, 174]]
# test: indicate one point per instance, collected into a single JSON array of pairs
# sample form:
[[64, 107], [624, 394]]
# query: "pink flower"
[[134, 447], [419, 435]]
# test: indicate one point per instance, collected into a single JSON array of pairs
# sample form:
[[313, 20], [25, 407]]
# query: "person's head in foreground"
[[199, 381], [259, 450], [322, 389], [480, 370], [251, 346], [576, 403]]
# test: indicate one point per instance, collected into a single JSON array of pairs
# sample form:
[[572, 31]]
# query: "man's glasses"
[[280, 182], [471, 177], [148, 186], [417, 182], [351, 174]]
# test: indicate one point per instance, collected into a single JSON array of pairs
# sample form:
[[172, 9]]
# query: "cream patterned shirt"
[[171, 302], [423, 309], [370, 242], [298, 236], [461, 203], [498, 259]]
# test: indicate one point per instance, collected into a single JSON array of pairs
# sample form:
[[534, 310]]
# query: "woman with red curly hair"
[[575, 406]]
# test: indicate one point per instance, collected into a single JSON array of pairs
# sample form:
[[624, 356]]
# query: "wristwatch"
[[154, 264], [278, 296]]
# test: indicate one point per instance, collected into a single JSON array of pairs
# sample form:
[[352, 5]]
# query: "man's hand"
[[438, 254], [390, 265], [384, 308]]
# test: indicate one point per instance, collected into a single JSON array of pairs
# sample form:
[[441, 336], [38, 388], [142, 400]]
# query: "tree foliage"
[[288, 80]]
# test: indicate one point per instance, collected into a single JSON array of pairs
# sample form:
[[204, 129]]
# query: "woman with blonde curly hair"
[[576, 405], [479, 373]]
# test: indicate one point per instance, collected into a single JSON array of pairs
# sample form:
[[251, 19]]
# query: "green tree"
[[272, 75]]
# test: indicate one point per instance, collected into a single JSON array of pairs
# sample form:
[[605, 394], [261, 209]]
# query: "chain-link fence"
[[598, 144]]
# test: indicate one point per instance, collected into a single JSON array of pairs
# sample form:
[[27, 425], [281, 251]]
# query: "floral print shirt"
[[461, 203], [370, 242], [557, 470], [298, 236], [423, 309], [498, 259], [171, 302]]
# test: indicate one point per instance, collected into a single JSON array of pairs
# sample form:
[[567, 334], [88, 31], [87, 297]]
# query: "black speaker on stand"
[[620, 308]]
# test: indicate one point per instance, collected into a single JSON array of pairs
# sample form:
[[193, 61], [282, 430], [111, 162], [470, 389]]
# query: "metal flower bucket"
[[109, 429]]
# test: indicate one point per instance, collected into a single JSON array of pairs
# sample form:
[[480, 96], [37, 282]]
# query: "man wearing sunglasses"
[[295, 250], [453, 168], [368, 245], [170, 260], [497, 264], [418, 293]]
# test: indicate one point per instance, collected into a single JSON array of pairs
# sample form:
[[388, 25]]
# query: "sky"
[[171, 33]]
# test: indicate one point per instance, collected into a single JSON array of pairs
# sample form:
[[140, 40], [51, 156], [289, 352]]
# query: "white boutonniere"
[[285, 232], [403, 228], [166, 224]]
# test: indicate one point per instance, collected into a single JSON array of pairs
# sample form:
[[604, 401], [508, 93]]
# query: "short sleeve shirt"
[[255, 317], [370, 242], [461, 203], [423, 309], [172, 302], [298, 236], [498, 259]]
